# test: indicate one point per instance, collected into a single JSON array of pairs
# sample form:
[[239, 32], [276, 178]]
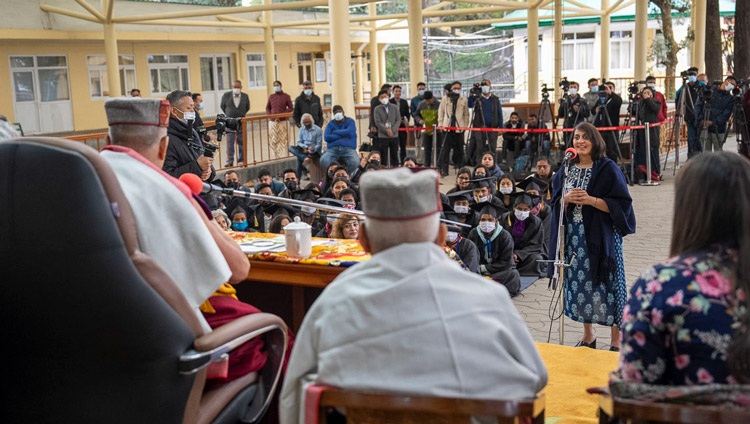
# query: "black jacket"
[[181, 156], [613, 105], [311, 105], [566, 111]]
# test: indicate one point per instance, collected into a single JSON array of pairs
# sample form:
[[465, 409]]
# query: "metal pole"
[[647, 134], [434, 145]]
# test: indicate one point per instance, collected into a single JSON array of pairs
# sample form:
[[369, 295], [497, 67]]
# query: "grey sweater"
[[232, 111]]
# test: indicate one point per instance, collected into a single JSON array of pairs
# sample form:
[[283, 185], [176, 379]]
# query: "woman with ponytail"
[[686, 321]]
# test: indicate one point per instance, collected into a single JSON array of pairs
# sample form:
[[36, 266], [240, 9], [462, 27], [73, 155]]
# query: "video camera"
[[201, 145], [565, 84], [545, 91], [633, 88], [223, 123], [685, 74], [603, 92], [742, 85], [476, 90]]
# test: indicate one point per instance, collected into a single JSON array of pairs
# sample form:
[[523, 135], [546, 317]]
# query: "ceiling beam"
[[98, 15], [69, 13]]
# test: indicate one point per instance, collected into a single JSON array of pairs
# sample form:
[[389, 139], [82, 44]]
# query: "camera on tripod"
[[476, 90], [602, 92], [545, 91], [740, 88], [565, 84], [224, 123]]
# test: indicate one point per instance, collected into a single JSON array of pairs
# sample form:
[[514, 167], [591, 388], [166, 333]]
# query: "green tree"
[[670, 45]]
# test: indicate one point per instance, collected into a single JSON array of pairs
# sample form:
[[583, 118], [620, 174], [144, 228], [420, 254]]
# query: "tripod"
[[739, 123], [706, 116], [630, 121], [545, 112], [443, 151], [617, 156], [677, 126], [471, 152]]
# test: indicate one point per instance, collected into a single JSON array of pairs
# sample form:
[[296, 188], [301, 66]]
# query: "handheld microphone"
[[570, 154], [197, 186]]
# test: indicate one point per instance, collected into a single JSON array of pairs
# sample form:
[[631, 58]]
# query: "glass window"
[[24, 86], [207, 74], [578, 51], [168, 73], [22, 61], [51, 61], [99, 78], [158, 58], [256, 69], [53, 85]]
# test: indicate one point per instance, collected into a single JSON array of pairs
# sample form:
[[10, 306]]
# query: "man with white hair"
[[410, 320], [309, 143]]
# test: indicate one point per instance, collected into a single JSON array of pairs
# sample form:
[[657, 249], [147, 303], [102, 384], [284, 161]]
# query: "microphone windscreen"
[[193, 182], [571, 150]]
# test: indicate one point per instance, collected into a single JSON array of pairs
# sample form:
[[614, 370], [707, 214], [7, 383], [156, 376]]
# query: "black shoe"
[[591, 345], [614, 349]]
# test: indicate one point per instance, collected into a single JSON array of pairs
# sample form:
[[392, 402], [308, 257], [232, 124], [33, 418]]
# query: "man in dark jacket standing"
[[235, 104], [713, 130], [308, 102], [488, 113]]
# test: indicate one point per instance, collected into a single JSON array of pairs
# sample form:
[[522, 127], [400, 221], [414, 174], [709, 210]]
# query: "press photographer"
[[648, 111], [690, 90], [607, 114], [573, 108], [714, 108], [453, 112], [488, 113]]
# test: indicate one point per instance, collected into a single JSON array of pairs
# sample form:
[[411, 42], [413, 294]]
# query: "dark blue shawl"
[[607, 183]]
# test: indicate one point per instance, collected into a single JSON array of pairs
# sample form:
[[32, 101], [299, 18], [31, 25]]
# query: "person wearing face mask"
[[452, 112], [235, 104], [459, 203], [265, 210], [291, 183], [528, 235], [232, 180], [648, 111], [309, 145], [537, 189], [513, 142], [465, 249], [427, 116], [405, 115], [573, 110], [198, 107], [375, 102], [308, 102], [713, 130], [387, 121], [506, 187], [309, 214], [659, 97], [691, 91], [239, 221], [592, 96], [278, 103], [488, 113], [416, 100], [341, 141], [495, 249], [482, 192]]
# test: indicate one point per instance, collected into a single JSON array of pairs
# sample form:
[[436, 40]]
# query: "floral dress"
[[678, 322], [585, 299]]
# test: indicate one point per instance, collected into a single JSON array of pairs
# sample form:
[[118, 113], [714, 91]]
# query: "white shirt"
[[411, 320], [170, 230]]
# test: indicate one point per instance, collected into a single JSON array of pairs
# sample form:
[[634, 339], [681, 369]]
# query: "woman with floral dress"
[[598, 213], [686, 320]]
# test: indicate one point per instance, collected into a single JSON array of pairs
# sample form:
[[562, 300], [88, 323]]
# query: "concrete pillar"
[[374, 57], [381, 63], [359, 84], [270, 52], [641, 39], [558, 41], [533, 55], [416, 49], [605, 40], [113, 60], [341, 55], [698, 54]]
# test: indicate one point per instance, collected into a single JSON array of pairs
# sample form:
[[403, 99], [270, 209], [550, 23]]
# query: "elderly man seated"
[[410, 320]]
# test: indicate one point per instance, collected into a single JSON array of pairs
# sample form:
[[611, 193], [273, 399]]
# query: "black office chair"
[[95, 331]]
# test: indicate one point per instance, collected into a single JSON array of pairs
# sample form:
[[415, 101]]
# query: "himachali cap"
[[400, 194], [137, 111]]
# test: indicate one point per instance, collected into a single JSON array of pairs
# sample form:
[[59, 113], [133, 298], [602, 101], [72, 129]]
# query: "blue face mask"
[[276, 88], [692, 78], [307, 91], [239, 226], [200, 106], [421, 93], [595, 89]]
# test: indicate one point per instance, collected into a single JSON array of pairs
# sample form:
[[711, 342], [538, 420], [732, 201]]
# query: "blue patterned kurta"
[[586, 300]]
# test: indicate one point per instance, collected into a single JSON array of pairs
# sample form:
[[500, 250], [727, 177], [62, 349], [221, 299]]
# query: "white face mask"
[[522, 215], [573, 91], [461, 209], [692, 78], [276, 88], [506, 190], [456, 91], [308, 210], [307, 91], [485, 89], [420, 93], [483, 199], [451, 237], [384, 101], [236, 91], [338, 116], [730, 87], [188, 116], [487, 226], [595, 89], [651, 85]]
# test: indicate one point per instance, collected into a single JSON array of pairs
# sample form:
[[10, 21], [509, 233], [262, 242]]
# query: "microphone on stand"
[[570, 154], [197, 186]]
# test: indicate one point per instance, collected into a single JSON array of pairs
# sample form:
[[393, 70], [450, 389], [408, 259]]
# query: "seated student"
[[465, 249], [278, 223], [325, 183], [309, 214], [221, 218], [291, 183], [409, 162], [232, 180], [481, 172], [481, 191], [349, 196], [264, 212], [459, 203], [544, 174], [399, 322], [488, 161], [239, 221], [339, 184], [537, 189], [340, 172], [686, 321], [495, 248], [345, 227], [463, 180], [506, 186], [265, 177], [528, 235]]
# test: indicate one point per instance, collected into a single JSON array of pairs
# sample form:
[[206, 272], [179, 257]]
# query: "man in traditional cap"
[[341, 141], [173, 227], [401, 323]]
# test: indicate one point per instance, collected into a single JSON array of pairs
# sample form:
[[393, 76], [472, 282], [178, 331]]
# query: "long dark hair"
[[598, 148], [721, 181]]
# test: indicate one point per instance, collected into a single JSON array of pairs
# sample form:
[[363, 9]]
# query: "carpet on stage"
[[527, 281]]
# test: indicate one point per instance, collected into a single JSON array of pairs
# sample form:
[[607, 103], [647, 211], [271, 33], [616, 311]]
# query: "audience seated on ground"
[[400, 323], [309, 214], [544, 174], [265, 177], [459, 206], [278, 223], [506, 186], [325, 183], [291, 183], [349, 196], [537, 189], [463, 180], [464, 248], [372, 158], [495, 247], [264, 212], [221, 218], [409, 162], [345, 227], [528, 236], [239, 221], [488, 160], [339, 184]]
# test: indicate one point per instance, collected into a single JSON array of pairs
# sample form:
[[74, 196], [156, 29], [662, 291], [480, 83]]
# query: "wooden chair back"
[[629, 411]]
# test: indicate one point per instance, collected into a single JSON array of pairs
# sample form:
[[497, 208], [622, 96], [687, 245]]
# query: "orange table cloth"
[[325, 252]]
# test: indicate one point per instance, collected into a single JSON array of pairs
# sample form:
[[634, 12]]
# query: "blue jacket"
[[492, 109], [721, 108], [341, 135]]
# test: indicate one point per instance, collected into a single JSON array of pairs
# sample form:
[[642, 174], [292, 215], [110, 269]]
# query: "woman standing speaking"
[[598, 213]]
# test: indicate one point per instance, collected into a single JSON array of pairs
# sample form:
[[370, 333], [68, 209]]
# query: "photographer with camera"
[[453, 112], [488, 113], [713, 109], [592, 96], [185, 153], [648, 111], [607, 114], [690, 89], [235, 104], [573, 109]]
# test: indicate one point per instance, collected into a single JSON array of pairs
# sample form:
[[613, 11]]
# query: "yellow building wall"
[[88, 114]]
